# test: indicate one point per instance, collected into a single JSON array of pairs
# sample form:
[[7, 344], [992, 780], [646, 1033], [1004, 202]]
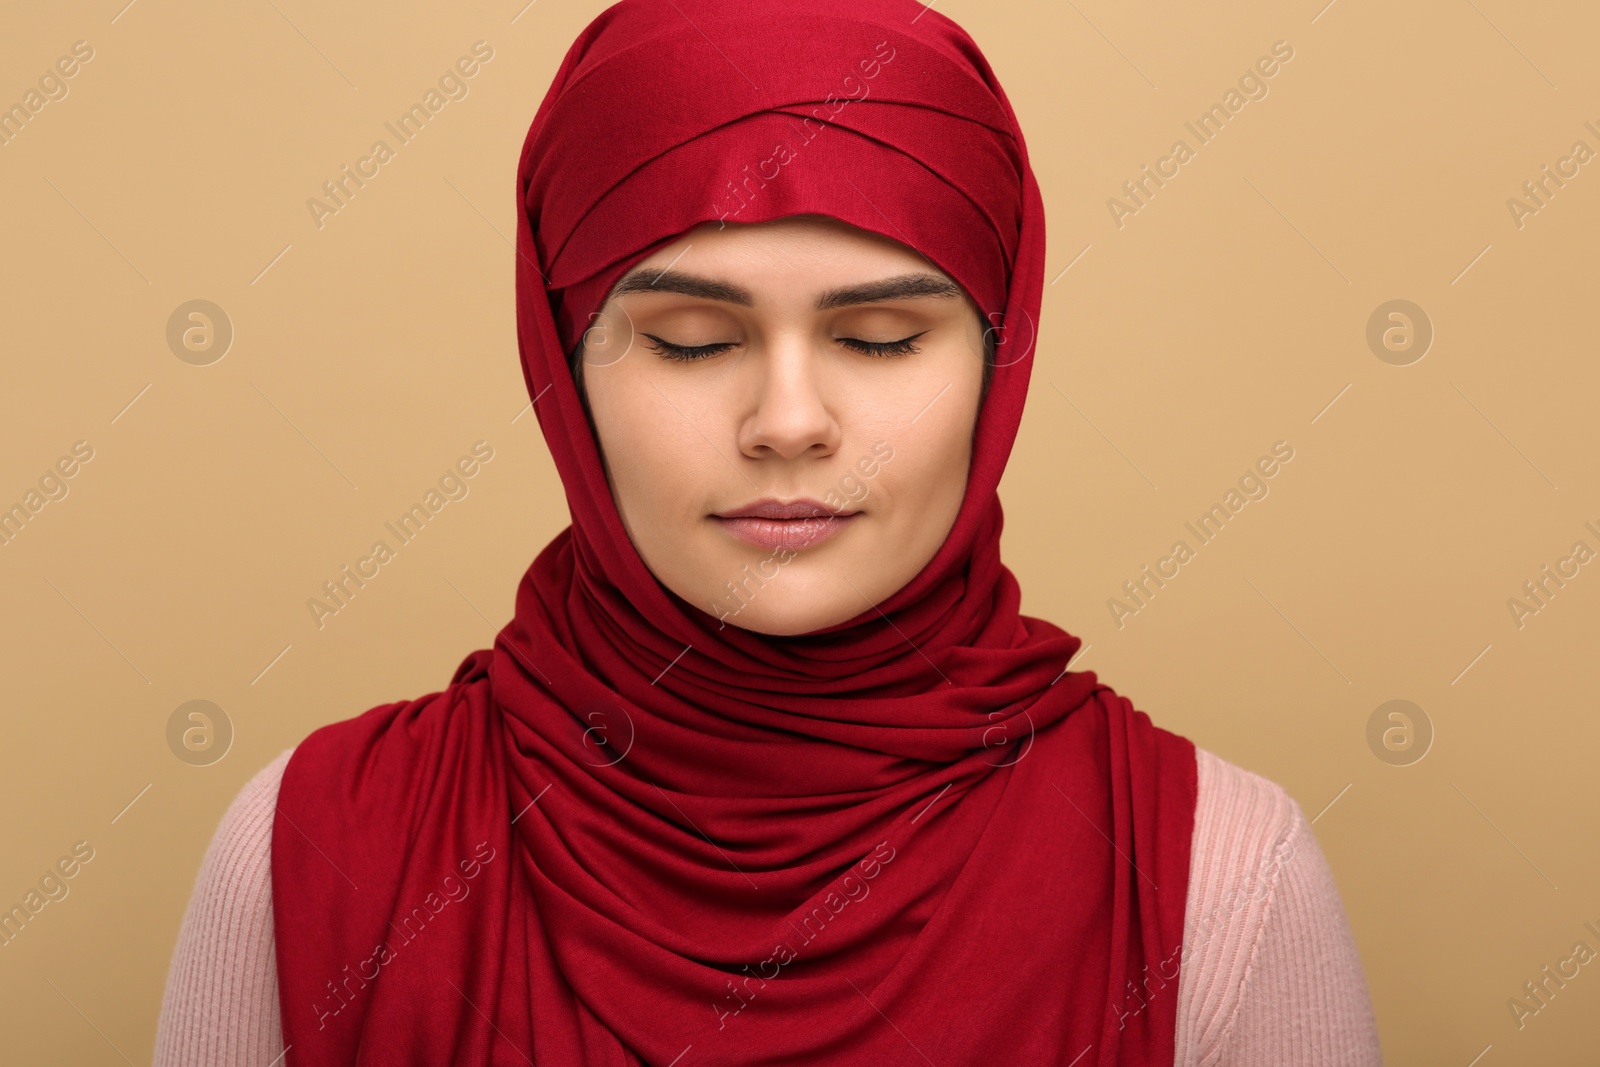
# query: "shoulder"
[[1246, 827], [245, 831], [236, 867], [257, 795], [220, 1003], [1241, 822], [1269, 963]]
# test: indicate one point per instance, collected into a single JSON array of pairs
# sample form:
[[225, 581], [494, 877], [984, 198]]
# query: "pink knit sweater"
[[1270, 973]]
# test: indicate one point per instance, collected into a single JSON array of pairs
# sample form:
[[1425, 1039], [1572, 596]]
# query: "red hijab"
[[629, 834]]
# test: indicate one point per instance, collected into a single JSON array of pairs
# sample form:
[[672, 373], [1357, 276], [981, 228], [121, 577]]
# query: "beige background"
[[1228, 313]]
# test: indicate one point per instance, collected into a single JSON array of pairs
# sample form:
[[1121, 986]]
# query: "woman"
[[767, 767]]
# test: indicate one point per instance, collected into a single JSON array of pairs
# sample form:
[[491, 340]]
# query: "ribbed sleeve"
[[220, 1008], [1270, 971]]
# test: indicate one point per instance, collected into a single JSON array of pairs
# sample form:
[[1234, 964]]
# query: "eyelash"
[[688, 354]]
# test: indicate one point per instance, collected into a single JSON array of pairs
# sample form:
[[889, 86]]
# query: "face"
[[785, 411]]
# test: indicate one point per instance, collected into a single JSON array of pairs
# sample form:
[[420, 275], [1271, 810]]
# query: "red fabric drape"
[[628, 834]]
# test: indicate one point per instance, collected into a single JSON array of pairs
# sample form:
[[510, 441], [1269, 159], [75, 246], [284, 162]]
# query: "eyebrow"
[[899, 287]]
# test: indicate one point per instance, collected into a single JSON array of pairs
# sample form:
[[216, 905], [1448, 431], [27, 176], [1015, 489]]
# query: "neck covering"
[[630, 834]]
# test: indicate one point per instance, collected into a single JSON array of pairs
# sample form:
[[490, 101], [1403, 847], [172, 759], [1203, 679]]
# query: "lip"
[[778, 525]]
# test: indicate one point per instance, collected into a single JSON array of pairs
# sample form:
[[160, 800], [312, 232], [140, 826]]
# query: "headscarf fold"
[[629, 833]]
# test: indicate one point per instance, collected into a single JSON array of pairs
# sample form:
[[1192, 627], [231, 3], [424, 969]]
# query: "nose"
[[790, 413]]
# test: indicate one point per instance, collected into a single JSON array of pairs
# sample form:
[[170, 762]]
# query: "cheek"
[[933, 451], [923, 483], [656, 460]]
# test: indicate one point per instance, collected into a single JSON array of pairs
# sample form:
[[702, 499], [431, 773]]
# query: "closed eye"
[[901, 347], [684, 353], [689, 353]]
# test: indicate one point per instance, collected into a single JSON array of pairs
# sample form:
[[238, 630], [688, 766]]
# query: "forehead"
[[740, 263], [915, 285]]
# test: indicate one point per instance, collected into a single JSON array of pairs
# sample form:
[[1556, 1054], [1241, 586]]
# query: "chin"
[[800, 596], [781, 623], [793, 608]]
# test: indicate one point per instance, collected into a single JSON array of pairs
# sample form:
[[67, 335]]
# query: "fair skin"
[[865, 405]]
